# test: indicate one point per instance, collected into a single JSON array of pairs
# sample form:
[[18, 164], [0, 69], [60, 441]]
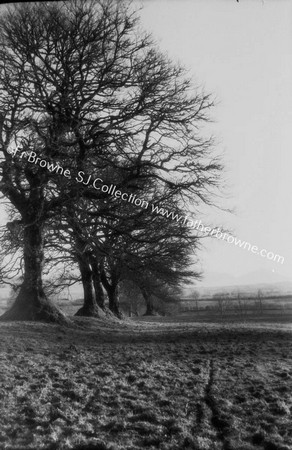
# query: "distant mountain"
[[263, 276], [277, 289], [218, 279], [257, 277], [272, 282]]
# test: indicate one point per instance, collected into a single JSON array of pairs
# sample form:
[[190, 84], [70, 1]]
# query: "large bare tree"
[[81, 86]]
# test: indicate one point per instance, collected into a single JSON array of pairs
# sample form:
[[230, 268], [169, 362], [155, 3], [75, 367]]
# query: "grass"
[[136, 385]]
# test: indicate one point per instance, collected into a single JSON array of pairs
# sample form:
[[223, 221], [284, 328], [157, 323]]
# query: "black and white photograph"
[[145, 225]]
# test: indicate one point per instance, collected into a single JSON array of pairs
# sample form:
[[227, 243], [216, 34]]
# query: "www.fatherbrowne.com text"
[[98, 184]]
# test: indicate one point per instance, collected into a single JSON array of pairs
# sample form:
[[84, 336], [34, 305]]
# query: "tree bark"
[[114, 302], [31, 302], [90, 307], [96, 277], [112, 290], [149, 302]]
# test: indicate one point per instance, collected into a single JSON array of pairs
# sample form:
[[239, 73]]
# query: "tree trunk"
[[113, 298], [149, 303], [99, 293], [112, 290], [31, 302], [90, 307]]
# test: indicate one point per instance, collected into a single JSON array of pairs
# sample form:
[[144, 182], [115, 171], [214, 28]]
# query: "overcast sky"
[[241, 52]]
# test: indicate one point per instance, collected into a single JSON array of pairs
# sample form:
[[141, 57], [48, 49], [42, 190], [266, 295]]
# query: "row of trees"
[[239, 302], [82, 86]]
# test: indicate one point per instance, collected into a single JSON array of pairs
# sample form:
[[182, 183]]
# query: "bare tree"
[[222, 302], [196, 295], [79, 87], [241, 302], [259, 301], [131, 297]]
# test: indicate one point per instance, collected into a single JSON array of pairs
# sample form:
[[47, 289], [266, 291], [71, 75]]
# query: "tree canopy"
[[84, 89]]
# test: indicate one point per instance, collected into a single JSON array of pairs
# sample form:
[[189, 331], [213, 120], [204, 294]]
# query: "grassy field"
[[268, 317], [154, 385]]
